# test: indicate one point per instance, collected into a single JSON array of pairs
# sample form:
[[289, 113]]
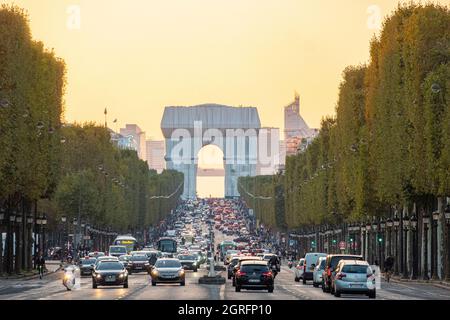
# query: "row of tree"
[[388, 147], [265, 195], [50, 167]]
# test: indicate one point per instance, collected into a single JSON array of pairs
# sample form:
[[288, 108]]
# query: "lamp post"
[[396, 251], [377, 244], [434, 246], [2, 217], [10, 253], [383, 242], [447, 222], [413, 225], [369, 242], [426, 222], [389, 225], [30, 221], [363, 240], [405, 249]]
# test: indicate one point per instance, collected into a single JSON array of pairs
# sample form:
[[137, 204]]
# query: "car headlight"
[[155, 272], [181, 272], [66, 277], [98, 275], [122, 275]]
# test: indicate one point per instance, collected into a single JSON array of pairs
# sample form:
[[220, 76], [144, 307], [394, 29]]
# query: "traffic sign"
[[342, 245]]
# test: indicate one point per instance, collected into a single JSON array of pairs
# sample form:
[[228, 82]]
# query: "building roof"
[[211, 115]]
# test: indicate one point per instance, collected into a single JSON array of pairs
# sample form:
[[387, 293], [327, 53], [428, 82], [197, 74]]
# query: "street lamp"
[[447, 221], [434, 229], [413, 224], [426, 222]]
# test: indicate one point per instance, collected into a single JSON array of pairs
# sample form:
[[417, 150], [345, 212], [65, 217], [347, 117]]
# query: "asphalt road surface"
[[51, 288]]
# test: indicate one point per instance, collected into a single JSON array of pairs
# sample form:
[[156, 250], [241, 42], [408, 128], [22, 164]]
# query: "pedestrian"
[[40, 264]]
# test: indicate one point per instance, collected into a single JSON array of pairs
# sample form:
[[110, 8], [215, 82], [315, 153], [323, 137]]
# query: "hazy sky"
[[138, 56]]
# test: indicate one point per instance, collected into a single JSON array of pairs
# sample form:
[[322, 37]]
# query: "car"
[[109, 273], [353, 276], [125, 259], [254, 274], [189, 262], [238, 265], [96, 254], [310, 264], [117, 251], [228, 256], [318, 270], [234, 260], [87, 265], [168, 270], [330, 265], [105, 258], [299, 270]]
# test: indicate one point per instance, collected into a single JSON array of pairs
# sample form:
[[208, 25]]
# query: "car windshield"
[[138, 258], [322, 264], [110, 265], [117, 249], [88, 261], [254, 268], [186, 257], [354, 269], [124, 258], [335, 260], [168, 264]]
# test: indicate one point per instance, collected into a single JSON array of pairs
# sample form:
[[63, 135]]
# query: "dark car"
[[138, 263], [254, 274], [238, 265], [168, 270], [109, 273], [330, 266], [189, 262], [125, 259], [230, 267], [87, 266]]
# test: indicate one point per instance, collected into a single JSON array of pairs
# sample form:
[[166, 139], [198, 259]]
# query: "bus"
[[226, 245], [128, 241], [167, 246]]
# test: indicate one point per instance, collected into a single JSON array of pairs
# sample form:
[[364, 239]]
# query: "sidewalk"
[[51, 265], [437, 283]]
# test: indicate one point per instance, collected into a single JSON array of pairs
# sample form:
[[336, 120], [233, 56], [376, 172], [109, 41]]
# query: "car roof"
[[249, 258], [345, 255], [354, 262], [255, 262]]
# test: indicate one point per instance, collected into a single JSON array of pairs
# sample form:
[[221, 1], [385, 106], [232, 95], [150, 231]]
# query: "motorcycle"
[[69, 278], [274, 270], [290, 264]]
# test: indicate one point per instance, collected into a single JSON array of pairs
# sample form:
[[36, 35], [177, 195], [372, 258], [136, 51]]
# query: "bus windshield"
[[167, 245], [129, 242]]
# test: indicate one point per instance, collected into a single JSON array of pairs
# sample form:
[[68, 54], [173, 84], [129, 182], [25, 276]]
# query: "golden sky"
[[138, 56]]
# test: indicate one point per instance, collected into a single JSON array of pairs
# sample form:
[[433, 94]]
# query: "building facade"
[[134, 138], [155, 154]]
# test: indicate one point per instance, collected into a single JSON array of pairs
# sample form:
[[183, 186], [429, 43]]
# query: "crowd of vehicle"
[[187, 243]]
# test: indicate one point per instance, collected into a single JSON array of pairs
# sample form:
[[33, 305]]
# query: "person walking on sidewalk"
[[40, 264]]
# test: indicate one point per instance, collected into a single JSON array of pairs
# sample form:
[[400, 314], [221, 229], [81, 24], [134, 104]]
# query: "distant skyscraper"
[[155, 155], [136, 139], [295, 128]]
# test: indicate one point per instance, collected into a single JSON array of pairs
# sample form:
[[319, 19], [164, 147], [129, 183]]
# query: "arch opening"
[[210, 172]]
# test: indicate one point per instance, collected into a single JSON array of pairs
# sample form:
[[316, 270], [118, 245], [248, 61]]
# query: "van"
[[310, 263]]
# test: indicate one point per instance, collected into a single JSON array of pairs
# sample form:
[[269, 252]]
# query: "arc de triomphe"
[[233, 129]]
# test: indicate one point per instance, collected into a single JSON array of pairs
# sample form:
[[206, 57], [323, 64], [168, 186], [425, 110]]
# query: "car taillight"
[[267, 274], [329, 272], [240, 273]]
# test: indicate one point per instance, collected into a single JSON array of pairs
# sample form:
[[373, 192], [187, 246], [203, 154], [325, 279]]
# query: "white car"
[[318, 270], [299, 270]]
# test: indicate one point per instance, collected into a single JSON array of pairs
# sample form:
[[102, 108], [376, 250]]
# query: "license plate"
[[254, 280], [111, 278], [355, 285], [138, 267]]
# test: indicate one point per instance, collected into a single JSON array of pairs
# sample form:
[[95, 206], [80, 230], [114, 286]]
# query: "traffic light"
[[380, 239], [351, 239], [334, 241], [312, 243]]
